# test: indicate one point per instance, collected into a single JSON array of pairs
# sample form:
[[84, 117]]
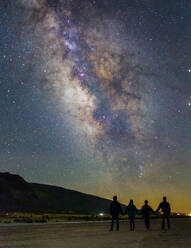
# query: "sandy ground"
[[96, 235]]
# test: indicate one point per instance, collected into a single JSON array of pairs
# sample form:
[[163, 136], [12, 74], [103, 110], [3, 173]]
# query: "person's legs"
[[117, 223], [145, 219], [112, 223], [132, 222], [163, 222], [168, 221], [147, 222]]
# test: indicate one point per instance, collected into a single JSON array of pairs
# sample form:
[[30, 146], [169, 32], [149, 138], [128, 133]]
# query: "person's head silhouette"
[[146, 202], [131, 201], [115, 198], [164, 198]]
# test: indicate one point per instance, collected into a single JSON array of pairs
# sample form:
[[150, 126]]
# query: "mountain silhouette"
[[16, 194]]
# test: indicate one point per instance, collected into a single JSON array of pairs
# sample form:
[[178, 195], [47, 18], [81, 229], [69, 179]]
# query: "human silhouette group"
[[146, 210]]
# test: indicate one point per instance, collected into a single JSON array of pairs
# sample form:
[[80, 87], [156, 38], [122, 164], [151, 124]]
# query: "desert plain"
[[96, 235]]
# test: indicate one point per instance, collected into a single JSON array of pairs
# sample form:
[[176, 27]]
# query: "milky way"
[[114, 81], [99, 77]]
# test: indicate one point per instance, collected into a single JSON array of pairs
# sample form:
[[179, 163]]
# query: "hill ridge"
[[16, 194]]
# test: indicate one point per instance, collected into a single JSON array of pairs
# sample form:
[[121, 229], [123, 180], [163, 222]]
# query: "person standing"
[[145, 212], [131, 210], [165, 207], [115, 210]]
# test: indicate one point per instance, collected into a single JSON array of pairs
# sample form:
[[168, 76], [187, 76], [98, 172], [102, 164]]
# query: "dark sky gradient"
[[96, 96]]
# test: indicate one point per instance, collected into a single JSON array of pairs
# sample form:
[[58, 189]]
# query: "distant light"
[[189, 70], [101, 214], [178, 214], [189, 214]]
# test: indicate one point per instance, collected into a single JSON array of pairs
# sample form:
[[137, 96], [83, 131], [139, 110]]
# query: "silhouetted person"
[[165, 207], [131, 210], [115, 210], [145, 212]]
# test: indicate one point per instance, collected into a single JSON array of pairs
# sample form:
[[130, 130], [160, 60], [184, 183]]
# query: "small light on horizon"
[[189, 214], [82, 74], [101, 214]]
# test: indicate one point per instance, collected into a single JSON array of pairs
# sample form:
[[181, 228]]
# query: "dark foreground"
[[96, 235]]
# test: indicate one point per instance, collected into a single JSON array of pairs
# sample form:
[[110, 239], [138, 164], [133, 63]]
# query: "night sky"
[[95, 95]]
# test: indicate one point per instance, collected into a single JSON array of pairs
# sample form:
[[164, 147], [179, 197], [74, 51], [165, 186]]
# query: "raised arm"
[[151, 210], [126, 210], [111, 209], [120, 209], [141, 212], [159, 207], [169, 208], [136, 211]]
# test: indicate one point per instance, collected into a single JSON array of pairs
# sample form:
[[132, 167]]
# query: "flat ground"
[[96, 235]]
